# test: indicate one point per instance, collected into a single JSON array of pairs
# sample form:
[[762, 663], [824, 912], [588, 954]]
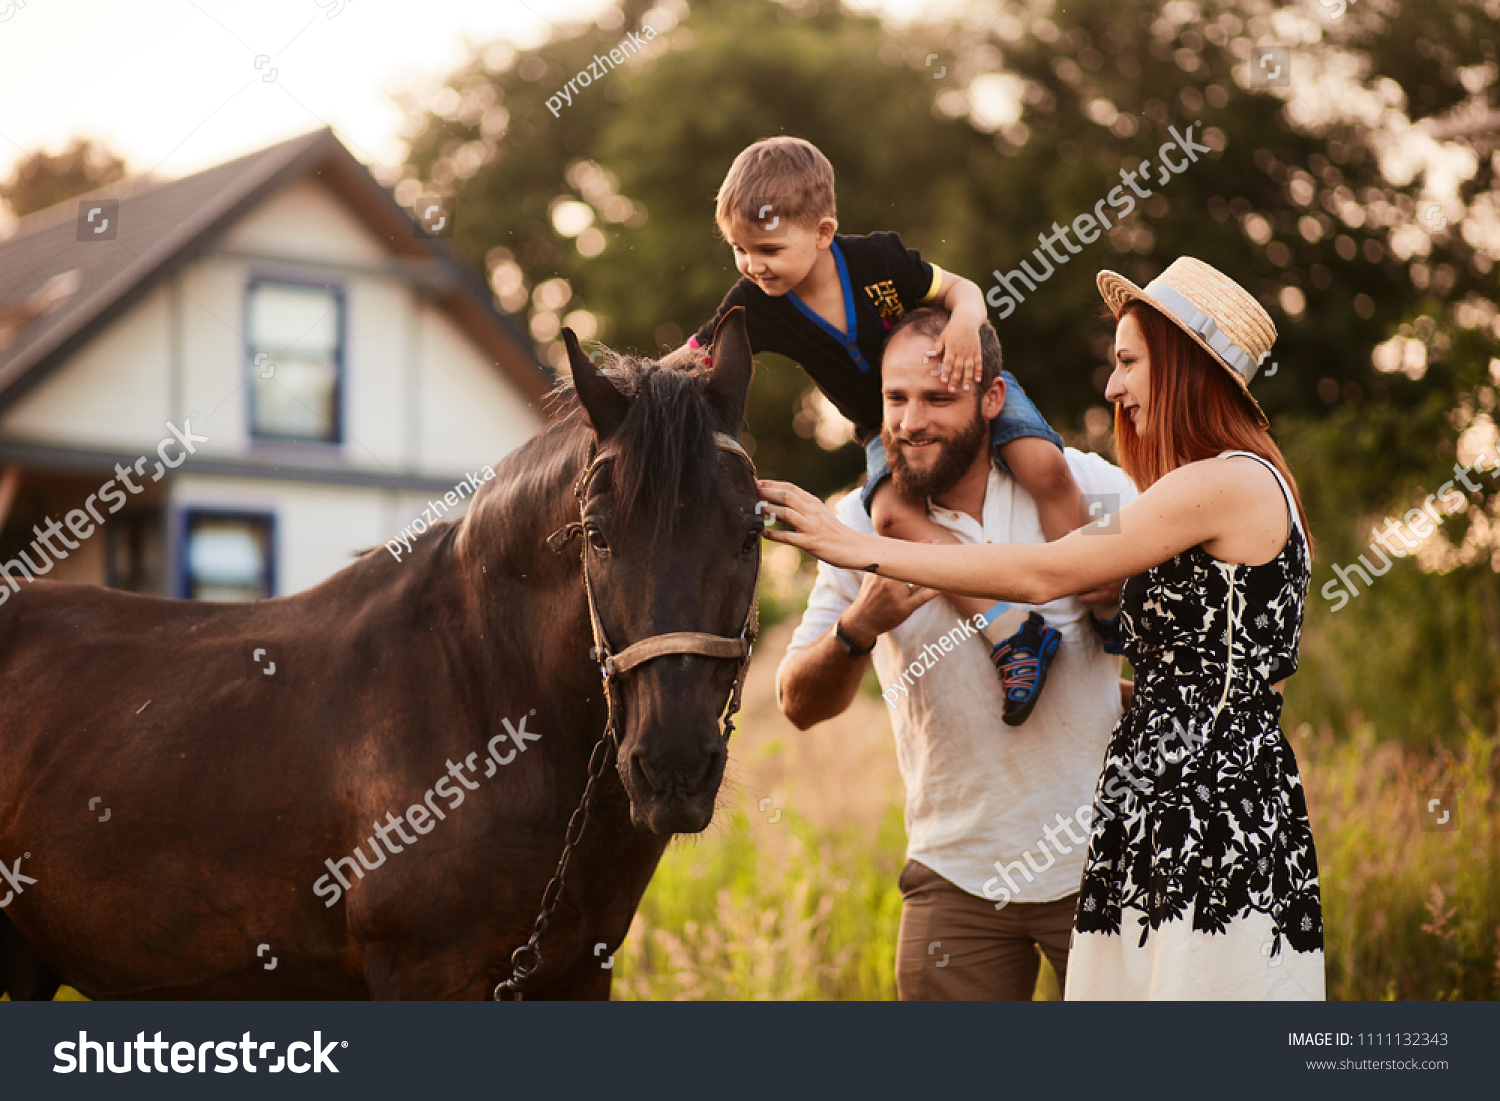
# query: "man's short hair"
[[930, 321], [777, 177]]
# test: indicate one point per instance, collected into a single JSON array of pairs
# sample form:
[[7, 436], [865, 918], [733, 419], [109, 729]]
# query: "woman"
[[1201, 879]]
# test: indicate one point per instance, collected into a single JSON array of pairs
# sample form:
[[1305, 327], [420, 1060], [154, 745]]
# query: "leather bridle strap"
[[678, 642], [613, 664]]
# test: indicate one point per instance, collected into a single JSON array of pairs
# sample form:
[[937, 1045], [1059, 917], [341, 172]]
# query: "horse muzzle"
[[673, 777]]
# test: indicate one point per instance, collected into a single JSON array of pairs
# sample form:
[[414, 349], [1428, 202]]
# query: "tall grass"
[[792, 912], [1408, 912], [780, 911]]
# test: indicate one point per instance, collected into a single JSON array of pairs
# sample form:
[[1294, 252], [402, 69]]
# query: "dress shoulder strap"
[[1286, 492]]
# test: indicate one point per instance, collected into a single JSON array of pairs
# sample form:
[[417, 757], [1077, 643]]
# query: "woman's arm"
[[1194, 504]]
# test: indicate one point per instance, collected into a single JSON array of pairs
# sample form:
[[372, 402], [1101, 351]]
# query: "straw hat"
[[1223, 317]]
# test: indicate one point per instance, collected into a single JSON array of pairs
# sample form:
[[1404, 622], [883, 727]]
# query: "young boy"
[[826, 300]]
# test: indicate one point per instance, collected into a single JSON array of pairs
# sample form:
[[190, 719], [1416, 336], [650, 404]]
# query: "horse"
[[187, 789]]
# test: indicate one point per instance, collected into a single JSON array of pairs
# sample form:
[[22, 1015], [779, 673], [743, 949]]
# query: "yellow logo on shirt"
[[883, 295]]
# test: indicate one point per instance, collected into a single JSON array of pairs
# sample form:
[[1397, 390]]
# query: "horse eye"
[[597, 540], [752, 541]]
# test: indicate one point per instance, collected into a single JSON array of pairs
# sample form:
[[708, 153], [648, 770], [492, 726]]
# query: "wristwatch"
[[848, 644]]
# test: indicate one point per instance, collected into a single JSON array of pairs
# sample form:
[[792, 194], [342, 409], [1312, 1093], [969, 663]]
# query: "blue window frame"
[[227, 556], [294, 361]]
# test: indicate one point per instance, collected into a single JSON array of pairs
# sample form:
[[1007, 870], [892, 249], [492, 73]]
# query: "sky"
[[174, 85]]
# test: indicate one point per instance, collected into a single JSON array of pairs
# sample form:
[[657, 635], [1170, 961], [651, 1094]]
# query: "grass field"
[[806, 907], [798, 911], [791, 892]]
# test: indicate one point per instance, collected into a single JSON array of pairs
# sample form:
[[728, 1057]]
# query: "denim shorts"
[[1018, 418]]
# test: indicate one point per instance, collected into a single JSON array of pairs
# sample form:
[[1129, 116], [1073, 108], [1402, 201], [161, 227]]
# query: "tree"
[[1358, 203], [43, 179]]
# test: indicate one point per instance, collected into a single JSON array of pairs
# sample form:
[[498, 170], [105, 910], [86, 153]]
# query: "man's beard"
[[955, 456]]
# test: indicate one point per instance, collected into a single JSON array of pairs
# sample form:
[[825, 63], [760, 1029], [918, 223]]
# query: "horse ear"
[[730, 382], [605, 406]]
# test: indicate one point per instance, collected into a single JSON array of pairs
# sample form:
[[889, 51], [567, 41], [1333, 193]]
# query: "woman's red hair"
[[1194, 411]]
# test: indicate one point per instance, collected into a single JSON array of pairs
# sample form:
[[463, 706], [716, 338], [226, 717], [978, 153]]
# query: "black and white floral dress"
[[1201, 880]]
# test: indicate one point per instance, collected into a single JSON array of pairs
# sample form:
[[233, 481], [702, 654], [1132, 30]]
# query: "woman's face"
[[1130, 386]]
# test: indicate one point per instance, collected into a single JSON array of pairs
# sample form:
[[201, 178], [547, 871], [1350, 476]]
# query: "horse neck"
[[529, 634], [515, 585]]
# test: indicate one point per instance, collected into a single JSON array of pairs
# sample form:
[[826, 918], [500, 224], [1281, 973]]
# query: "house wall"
[[319, 529], [112, 393], [420, 397]]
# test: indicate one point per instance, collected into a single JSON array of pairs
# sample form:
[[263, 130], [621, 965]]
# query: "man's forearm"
[[819, 681]]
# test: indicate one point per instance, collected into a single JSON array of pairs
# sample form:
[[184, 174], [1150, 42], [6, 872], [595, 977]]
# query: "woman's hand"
[[814, 528]]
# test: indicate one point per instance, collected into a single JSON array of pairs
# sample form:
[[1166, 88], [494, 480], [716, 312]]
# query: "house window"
[[295, 359], [228, 557]]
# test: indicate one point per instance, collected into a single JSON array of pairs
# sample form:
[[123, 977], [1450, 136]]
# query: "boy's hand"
[[958, 350]]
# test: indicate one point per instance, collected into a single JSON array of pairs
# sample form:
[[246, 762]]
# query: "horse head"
[[671, 555]]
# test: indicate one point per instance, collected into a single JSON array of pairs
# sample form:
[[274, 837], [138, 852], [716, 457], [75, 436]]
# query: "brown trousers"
[[954, 946]]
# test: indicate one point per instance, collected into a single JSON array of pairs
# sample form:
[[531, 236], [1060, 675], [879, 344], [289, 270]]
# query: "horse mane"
[[664, 450]]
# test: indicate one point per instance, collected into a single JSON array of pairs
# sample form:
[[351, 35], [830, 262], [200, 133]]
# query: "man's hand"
[[882, 605], [817, 682], [957, 349]]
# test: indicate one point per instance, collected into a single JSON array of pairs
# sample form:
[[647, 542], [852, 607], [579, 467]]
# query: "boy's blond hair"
[[776, 177]]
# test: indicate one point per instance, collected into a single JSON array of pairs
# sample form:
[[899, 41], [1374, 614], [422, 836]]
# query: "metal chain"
[[531, 950]]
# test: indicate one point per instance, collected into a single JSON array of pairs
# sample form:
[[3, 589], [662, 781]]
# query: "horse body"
[[462, 669]]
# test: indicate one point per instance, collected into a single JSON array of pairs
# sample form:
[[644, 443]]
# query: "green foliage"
[[1103, 83], [42, 179], [1417, 653], [1406, 914], [781, 912]]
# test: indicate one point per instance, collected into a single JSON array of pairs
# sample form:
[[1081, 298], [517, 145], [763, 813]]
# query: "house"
[[245, 375]]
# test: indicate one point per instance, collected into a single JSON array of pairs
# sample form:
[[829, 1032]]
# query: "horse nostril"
[[639, 769], [712, 760]]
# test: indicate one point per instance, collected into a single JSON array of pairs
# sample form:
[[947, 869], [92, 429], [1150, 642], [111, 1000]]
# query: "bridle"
[[526, 960]]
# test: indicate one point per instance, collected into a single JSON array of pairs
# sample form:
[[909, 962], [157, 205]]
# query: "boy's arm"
[[696, 347], [688, 356], [958, 347]]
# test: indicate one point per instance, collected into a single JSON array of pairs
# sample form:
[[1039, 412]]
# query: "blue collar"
[[850, 339]]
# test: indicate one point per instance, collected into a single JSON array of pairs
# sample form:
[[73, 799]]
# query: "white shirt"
[[978, 792]]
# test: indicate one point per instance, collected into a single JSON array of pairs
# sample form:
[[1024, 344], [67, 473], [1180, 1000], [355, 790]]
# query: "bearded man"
[[997, 816]]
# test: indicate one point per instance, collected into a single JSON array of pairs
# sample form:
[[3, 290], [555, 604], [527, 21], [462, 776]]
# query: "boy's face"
[[778, 260]]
